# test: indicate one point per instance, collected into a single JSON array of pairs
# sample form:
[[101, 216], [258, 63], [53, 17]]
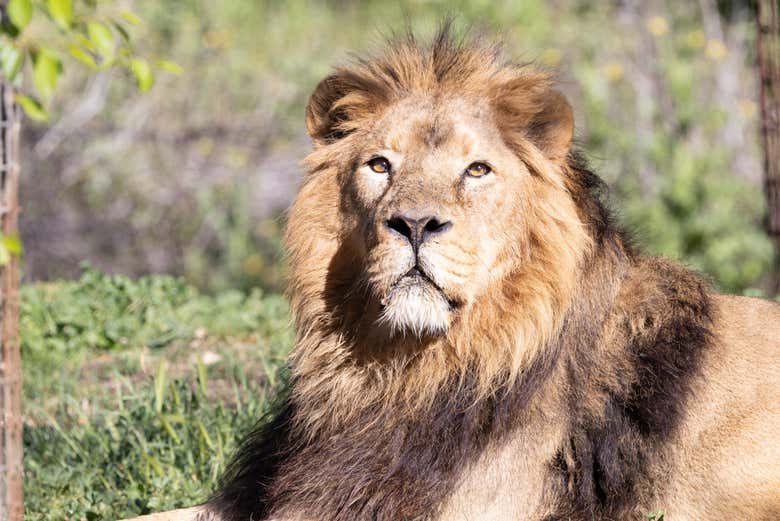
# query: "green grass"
[[136, 392]]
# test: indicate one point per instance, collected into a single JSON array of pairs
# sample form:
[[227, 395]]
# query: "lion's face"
[[437, 194], [435, 207]]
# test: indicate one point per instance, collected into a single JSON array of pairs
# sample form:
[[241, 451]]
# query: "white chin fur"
[[416, 307]]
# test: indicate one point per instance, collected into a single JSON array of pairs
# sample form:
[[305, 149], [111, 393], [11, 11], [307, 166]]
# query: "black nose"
[[417, 229]]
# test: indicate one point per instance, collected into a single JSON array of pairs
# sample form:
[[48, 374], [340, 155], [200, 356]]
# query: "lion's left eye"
[[380, 165], [478, 170]]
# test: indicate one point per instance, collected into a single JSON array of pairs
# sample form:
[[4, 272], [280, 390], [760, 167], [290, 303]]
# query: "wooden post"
[[11, 471], [768, 51]]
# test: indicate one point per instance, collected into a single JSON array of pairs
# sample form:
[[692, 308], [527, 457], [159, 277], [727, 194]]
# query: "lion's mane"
[[367, 430]]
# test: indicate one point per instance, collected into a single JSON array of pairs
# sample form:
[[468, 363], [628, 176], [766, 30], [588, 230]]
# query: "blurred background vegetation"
[[192, 178], [137, 389]]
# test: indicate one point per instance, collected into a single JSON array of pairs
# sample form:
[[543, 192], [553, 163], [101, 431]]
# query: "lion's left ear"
[[528, 108], [552, 128]]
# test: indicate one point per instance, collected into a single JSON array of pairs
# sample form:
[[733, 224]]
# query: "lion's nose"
[[417, 227]]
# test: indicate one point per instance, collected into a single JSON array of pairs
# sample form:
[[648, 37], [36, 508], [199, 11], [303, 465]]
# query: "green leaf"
[[204, 434], [102, 37], [13, 244], [61, 11], [169, 429], [82, 56], [154, 464], [159, 386], [143, 73], [203, 378], [20, 12], [7, 28], [130, 17], [11, 60], [169, 66], [32, 108], [122, 32], [85, 42], [46, 73]]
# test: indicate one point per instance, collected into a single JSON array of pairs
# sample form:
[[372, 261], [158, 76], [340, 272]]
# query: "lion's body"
[[722, 463], [480, 342]]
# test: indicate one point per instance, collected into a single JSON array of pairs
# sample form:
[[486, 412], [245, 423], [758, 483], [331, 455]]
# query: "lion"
[[478, 340]]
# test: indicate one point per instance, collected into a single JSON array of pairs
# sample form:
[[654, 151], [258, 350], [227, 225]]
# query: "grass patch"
[[136, 392]]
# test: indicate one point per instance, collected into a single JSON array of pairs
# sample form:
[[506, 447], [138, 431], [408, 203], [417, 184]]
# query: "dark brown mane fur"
[[616, 373]]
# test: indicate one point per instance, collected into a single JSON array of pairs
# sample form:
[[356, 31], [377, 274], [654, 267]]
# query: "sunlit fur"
[[533, 366], [416, 308], [512, 277]]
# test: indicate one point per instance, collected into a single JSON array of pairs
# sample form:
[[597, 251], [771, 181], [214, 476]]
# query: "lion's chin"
[[416, 306]]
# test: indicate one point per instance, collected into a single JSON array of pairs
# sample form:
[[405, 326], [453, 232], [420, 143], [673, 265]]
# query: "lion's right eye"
[[478, 170], [380, 165]]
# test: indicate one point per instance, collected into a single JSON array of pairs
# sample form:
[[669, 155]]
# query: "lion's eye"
[[478, 170], [380, 165]]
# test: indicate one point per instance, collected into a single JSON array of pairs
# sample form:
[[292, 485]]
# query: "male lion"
[[476, 340]]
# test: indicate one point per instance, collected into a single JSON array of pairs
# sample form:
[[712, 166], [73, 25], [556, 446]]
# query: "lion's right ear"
[[320, 120], [340, 104]]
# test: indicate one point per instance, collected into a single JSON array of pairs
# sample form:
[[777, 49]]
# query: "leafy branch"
[[42, 32]]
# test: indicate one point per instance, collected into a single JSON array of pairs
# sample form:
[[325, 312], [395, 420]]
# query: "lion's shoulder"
[[745, 319], [744, 360]]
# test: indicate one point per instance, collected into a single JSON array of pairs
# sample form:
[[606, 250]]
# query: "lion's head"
[[435, 233]]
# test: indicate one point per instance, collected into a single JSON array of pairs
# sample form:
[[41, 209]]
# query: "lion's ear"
[[552, 128], [529, 108], [339, 104]]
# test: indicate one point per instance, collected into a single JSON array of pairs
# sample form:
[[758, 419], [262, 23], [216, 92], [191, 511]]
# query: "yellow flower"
[[551, 57], [204, 146], [696, 39], [657, 25], [218, 40], [236, 157], [253, 265], [267, 228], [613, 71], [716, 50], [747, 108]]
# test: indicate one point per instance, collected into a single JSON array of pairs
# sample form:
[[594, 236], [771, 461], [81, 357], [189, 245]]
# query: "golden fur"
[[538, 368]]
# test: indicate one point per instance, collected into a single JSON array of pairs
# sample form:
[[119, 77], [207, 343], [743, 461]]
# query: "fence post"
[[768, 51], [11, 470]]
